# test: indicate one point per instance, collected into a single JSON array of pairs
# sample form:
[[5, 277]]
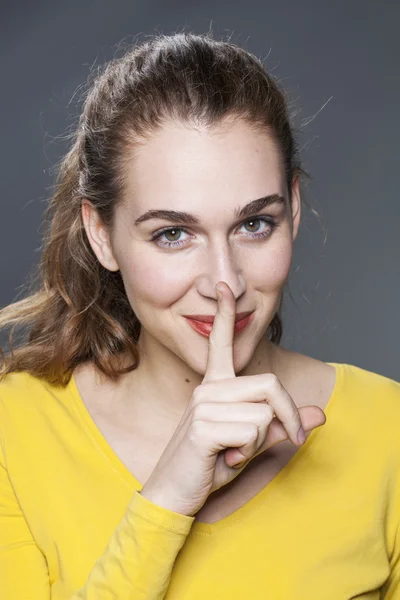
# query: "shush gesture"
[[228, 420]]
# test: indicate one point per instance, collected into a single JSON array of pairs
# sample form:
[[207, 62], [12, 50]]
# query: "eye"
[[270, 221]]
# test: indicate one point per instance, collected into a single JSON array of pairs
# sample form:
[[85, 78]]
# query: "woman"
[[149, 429]]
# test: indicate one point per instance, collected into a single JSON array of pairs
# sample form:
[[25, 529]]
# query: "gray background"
[[339, 63]]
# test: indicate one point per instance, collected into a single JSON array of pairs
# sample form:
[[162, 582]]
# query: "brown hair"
[[80, 310]]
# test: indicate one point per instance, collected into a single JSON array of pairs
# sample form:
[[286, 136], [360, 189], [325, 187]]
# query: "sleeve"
[[391, 589], [136, 565], [23, 567], [140, 555]]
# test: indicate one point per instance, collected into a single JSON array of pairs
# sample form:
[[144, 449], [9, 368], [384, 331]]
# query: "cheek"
[[271, 269], [152, 282], [158, 283]]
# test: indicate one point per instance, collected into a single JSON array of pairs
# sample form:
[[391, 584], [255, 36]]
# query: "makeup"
[[205, 328]]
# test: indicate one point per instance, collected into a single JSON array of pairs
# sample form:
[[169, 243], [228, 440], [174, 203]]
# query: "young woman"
[[151, 430]]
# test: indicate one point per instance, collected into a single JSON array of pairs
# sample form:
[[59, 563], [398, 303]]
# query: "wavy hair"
[[76, 310]]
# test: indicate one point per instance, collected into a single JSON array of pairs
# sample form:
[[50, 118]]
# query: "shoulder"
[[376, 398], [17, 389], [363, 409], [360, 389], [21, 388], [27, 403], [371, 386], [368, 403], [309, 381]]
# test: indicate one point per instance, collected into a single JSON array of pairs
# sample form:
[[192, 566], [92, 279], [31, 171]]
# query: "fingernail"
[[241, 463], [301, 436], [219, 295]]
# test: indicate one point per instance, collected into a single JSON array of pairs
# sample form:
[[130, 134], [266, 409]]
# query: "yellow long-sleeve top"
[[73, 524]]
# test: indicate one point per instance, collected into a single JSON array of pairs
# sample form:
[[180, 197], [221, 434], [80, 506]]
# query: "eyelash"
[[269, 220]]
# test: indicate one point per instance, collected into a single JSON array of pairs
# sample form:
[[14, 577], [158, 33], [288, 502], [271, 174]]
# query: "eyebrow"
[[183, 217]]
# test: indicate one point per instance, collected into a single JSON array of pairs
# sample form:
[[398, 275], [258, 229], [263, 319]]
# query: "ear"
[[296, 206], [98, 236]]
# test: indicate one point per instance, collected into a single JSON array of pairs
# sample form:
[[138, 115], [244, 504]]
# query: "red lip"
[[210, 318], [205, 328]]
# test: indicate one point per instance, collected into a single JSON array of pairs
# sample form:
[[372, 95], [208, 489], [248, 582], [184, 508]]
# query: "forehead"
[[194, 165]]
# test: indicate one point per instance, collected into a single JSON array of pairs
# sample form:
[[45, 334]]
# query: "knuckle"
[[199, 411], [268, 412], [252, 432], [295, 415], [272, 381], [198, 394], [196, 431]]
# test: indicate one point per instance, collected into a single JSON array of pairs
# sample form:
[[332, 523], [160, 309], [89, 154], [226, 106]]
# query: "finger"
[[311, 416], [284, 407], [263, 388], [220, 341]]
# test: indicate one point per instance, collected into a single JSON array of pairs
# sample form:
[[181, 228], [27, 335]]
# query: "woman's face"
[[210, 174]]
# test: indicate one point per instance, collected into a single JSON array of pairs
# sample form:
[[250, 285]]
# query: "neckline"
[[246, 509]]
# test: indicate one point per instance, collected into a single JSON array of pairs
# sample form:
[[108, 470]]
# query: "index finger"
[[220, 341]]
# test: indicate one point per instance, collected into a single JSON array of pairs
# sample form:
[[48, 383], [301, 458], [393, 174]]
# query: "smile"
[[204, 329]]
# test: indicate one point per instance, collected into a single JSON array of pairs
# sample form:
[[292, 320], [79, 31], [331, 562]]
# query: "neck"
[[163, 383]]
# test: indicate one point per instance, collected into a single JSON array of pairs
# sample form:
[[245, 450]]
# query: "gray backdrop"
[[338, 61]]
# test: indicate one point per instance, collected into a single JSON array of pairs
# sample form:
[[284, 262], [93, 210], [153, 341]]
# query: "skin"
[[210, 173]]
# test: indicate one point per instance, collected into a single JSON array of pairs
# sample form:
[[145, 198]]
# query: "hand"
[[228, 419]]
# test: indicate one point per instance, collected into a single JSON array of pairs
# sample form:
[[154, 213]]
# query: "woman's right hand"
[[228, 419]]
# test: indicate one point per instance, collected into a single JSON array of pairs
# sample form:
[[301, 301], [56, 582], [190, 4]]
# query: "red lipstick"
[[210, 318], [204, 327]]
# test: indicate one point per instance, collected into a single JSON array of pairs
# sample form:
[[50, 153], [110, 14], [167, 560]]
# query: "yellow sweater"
[[73, 525]]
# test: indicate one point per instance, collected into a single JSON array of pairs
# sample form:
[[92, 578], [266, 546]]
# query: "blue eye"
[[270, 221]]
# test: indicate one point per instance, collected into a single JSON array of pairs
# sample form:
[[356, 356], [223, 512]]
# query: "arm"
[[391, 589], [140, 556], [136, 564], [23, 567]]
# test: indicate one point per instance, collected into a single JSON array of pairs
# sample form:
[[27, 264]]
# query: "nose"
[[223, 265]]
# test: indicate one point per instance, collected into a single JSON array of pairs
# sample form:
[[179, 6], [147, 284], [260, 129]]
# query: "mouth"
[[204, 328], [210, 318]]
